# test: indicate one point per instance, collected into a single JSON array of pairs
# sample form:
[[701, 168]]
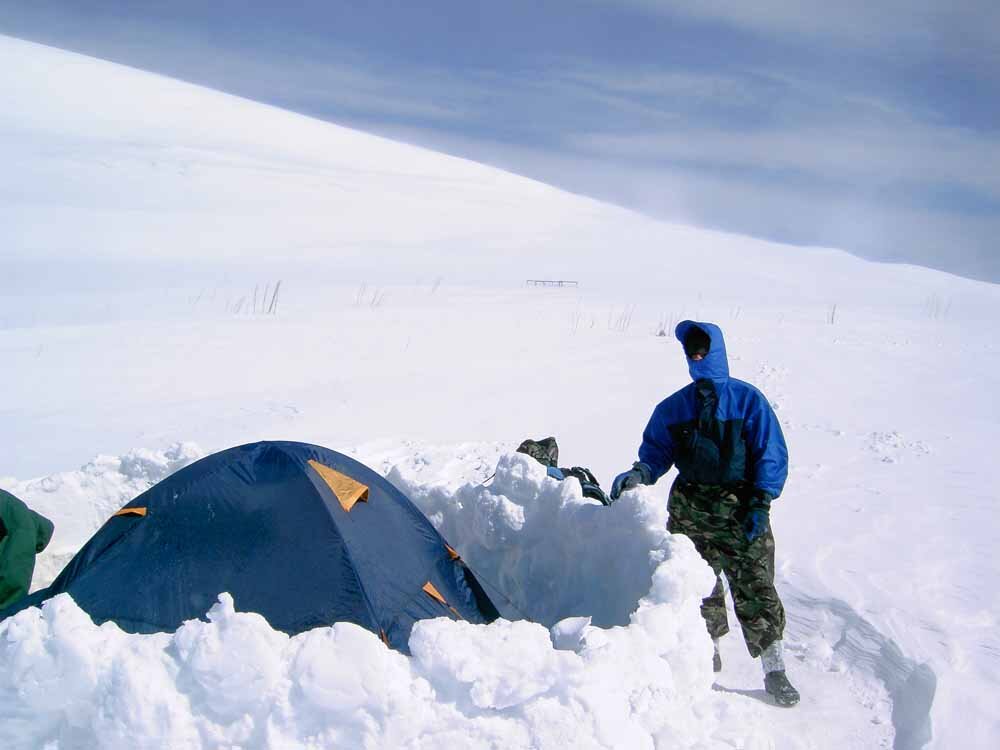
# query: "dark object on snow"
[[588, 482], [546, 452], [551, 282], [23, 534], [776, 685], [301, 534]]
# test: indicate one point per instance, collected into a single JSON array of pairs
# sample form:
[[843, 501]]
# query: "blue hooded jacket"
[[717, 430]]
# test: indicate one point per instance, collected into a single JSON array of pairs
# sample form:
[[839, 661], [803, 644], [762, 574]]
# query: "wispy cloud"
[[876, 156], [650, 81], [957, 28], [349, 87], [734, 200]]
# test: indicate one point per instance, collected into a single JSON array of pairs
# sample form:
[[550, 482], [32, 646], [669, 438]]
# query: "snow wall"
[[613, 653]]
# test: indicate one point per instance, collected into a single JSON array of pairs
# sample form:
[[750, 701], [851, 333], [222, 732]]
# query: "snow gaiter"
[[771, 658]]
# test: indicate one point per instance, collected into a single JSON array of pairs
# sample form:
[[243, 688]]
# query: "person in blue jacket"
[[732, 462]]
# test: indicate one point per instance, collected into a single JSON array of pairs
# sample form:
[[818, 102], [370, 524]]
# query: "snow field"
[[234, 682], [884, 473]]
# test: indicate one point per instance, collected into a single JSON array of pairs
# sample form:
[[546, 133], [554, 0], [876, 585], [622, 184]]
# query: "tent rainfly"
[[299, 533]]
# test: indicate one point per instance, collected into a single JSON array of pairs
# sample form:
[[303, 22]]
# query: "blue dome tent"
[[299, 533]]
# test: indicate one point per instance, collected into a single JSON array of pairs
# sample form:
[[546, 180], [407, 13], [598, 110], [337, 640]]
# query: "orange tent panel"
[[348, 491]]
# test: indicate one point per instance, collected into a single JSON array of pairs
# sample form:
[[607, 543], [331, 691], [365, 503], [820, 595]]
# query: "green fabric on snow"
[[27, 534]]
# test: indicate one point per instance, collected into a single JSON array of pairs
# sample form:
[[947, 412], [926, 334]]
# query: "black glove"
[[588, 482]]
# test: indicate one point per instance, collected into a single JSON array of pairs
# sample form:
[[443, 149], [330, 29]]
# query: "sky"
[[872, 127]]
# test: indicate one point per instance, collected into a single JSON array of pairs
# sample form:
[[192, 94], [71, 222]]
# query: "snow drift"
[[233, 681]]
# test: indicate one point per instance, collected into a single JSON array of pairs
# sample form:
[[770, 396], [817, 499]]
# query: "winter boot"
[[776, 683], [716, 656]]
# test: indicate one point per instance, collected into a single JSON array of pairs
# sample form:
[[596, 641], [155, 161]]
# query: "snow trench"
[[543, 551], [911, 686], [615, 656]]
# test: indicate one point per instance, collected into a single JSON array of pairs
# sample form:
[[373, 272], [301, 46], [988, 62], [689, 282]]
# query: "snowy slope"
[[146, 168], [140, 218]]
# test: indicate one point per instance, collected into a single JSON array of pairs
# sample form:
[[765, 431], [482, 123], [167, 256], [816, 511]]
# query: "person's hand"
[[627, 480], [758, 516]]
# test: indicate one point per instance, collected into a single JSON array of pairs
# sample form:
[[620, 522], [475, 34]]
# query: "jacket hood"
[[715, 365]]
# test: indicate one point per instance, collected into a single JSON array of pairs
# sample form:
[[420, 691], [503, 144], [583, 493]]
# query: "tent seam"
[[347, 548]]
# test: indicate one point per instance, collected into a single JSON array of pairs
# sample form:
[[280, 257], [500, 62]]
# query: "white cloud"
[[876, 155], [733, 202], [652, 81]]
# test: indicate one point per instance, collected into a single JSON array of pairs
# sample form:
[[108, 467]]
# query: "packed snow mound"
[[80, 501], [547, 550], [233, 681]]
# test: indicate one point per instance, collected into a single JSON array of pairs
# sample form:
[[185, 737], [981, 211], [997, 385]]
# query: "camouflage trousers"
[[712, 517]]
